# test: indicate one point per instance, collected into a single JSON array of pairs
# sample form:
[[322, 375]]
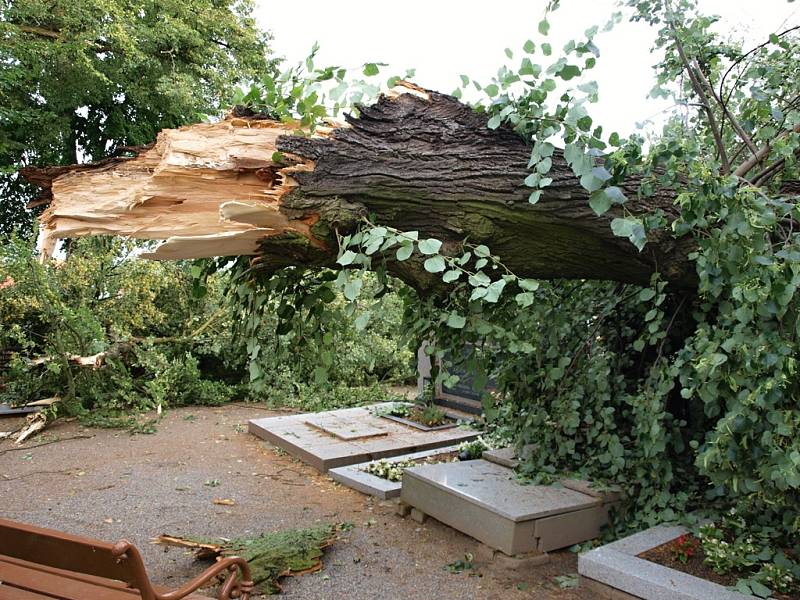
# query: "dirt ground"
[[110, 485]]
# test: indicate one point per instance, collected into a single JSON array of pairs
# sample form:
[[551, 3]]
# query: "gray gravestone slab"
[[345, 429], [484, 500], [354, 476], [495, 488], [506, 457], [618, 566], [325, 451]]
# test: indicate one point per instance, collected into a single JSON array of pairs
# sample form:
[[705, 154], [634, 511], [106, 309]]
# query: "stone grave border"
[[353, 477], [615, 571]]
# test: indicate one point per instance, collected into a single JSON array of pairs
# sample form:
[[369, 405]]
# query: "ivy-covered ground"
[[112, 485]]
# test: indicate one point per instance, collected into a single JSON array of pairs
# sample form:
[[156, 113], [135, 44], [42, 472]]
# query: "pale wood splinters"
[[208, 189]]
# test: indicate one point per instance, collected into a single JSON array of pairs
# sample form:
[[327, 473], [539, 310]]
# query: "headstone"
[[462, 396]]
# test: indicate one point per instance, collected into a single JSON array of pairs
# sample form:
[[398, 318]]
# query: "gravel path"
[[111, 485]]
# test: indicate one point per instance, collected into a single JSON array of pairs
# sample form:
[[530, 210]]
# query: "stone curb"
[[617, 566]]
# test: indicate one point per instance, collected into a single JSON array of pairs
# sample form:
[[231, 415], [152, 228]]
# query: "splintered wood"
[[208, 189]]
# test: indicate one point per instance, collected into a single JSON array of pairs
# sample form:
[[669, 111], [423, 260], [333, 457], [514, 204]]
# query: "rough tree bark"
[[415, 160]]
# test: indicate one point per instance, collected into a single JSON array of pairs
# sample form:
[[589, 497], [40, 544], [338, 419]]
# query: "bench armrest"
[[233, 587]]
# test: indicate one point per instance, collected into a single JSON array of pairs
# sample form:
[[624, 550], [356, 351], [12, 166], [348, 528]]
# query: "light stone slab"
[[506, 457], [485, 500], [496, 488], [618, 566], [345, 429], [354, 476], [324, 451]]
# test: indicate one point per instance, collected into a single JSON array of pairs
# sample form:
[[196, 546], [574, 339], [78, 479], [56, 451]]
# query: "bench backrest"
[[61, 550]]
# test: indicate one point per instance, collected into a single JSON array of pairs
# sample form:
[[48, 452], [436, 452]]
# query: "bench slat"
[[12, 593], [102, 581], [57, 586]]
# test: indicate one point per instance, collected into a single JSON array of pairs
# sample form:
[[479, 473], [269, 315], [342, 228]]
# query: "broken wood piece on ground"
[[34, 424]]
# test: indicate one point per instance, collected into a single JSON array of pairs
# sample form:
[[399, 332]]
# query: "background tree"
[[83, 80]]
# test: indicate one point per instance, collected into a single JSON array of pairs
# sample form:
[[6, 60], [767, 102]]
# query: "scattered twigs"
[[67, 439], [4, 478]]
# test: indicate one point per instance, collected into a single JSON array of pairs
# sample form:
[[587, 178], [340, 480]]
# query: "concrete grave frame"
[[353, 476], [615, 571], [326, 450]]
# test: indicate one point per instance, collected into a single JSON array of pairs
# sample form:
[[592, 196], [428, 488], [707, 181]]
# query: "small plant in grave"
[[393, 470], [390, 471], [474, 449], [684, 547], [427, 414]]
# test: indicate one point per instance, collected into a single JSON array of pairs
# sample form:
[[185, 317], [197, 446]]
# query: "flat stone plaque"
[[345, 429], [349, 436]]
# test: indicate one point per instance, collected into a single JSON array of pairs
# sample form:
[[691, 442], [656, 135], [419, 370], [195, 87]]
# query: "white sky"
[[442, 39]]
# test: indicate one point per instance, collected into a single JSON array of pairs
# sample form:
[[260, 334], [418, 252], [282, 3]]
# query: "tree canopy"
[[83, 80]]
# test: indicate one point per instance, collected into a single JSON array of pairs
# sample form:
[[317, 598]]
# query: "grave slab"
[[350, 436], [344, 429], [485, 500], [355, 477]]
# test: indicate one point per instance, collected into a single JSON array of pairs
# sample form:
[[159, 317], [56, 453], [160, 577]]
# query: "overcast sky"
[[443, 38]]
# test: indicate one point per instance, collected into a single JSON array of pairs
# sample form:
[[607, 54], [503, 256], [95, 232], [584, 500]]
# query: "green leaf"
[[479, 279], [494, 122], [529, 47], [404, 252], [600, 203], [494, 290], [352, 289], [363, 320], [647, 294], [615, 194], [535, 196], [435, 264], [631, 228], [478, 293], [529, 285], [451, 275], [544, 165], [547, 49], [429, 246], [569, 72], [482, 251], [464, 80], [759, 589], [524, 299], [347, 258], [601, 173], [456, 321], [492, 90], [544, 26], [371, 69]]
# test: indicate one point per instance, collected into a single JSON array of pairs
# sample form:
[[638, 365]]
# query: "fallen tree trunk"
[[415, 160]]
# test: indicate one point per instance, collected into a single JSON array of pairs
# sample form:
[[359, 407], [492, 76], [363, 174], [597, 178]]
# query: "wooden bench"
[[43, 564]]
